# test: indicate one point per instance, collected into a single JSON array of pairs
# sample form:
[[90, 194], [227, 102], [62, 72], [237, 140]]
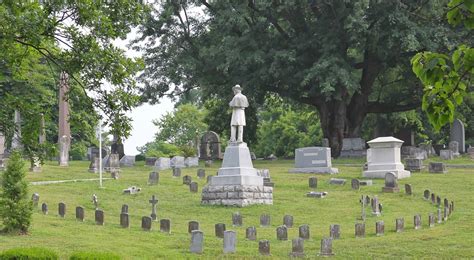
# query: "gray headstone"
[[265, 220], [230, 241], [431, 220], [162, 164], [457, 134], [413, 165], [353, 147], [264, 247], [438, 201], [124, 220], [187, 179], [355, 184], [313, 182], [251, 233], [288, 221], [408, 190], [95, 164], [150, 161], [193, 225], [176, 172], [165, 225], [316, 194], [62, 209], [131, 190], [433, 198], [208, 179], [399, 225], [127, 161], [365, 182], [376, 211], [146, 223], [114, 161], [197, 242], [417, 221], [153, 178], [304, 231], [297, 247], [418, 153], [446, 154], [153, 203], [326, 247], [440, 218], [99, 217], [44, 208], [201, 173], [379, 228], [391, 183], [177, 162], [35, 199], [454, 147], [236, 219], [446, 202], [219, 229], [360, 230], [336, 181], [445, 214], [437, 167], [191, 162], [124, 208], [193, 187], [210, 146], [80, 213], [313, 159], [335, 231], [426, 194], [282, 233]]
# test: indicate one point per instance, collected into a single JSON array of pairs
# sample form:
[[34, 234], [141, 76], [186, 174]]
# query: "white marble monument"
[[237, 182], [384, 156]]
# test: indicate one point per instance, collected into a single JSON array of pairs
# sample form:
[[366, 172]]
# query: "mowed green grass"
[[453, 239]]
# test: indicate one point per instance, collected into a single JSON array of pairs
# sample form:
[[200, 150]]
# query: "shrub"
[[15, 207], [140, 157], [33, 253], [93, 255]]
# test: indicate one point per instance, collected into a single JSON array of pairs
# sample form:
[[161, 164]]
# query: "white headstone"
[[162, 163], [384, 156], [177, 162]]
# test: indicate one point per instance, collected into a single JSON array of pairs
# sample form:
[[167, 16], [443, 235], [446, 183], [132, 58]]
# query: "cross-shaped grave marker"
[[153, 202]]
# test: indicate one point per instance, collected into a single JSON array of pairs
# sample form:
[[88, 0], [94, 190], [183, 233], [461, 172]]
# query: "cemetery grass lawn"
[[453, 239]]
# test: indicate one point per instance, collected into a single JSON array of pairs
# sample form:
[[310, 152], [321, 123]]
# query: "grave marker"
[[124, 208], [326, 247], [355, 184], [446, 154], [288, 221], [440, 219], [417, 221], [297, 247], [413, 164], [304, 231], [265, 220], [193, 187], [251, 233], [61, 209], [230, 241], [80, 213], [99, 217], [176, 172], [408, 190], [264, 247], [165, 225], [124, 220], [219, 229], [313, 182], [44, 208], [236, 219], [359, 230], [426, 194], [313, 160], [201, 173], [337, 181], [153, 178], [379, 228], [399, 225], [153, 202], [35, 199], [197, 242], [335, 231], [282, 233], [186, 179], [391, 183], [193, 225], [431, 220], [146, 223], [457, 134]]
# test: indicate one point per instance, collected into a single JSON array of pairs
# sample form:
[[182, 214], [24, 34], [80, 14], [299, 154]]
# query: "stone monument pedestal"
[[384, 156], [237, 182]]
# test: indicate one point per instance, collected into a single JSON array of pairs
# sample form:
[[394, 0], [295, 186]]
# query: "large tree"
[[345, 58]]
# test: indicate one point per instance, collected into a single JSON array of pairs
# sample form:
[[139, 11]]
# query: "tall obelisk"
[[64, 131]]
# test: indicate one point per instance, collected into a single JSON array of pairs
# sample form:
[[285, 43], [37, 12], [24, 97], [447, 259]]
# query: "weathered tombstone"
[[191, 161], [162, 164], [418, 153], [433, 198], [366, 182], [313, 160], [62, 209], [264, 247], [113, 162], [426, 194], [251, 233], [431, 220], [208, 179], [193, 225], [353, 147], [146, 223], [438, 201], [94, 165], [219, 229], [153, 202], [150, 161], [176, 172], [413, 164], [384, 156], [187, 179], [153, 178], [124, 208], [208, 163], [35, 165], [210, 147], [315, 194], [454, 147], [282, 233], [363, 202], [304, 231], [408, 190], [457, 134], [127, 161], [264, 220], [313, 182], [437, 167], [360, 230], [452, 205], [355, 184], [165, 225], [399, 225], [193, 187], [336, 181], [44, 208], [95, 201], [417, 221], [197, 242], [445, 214], [326, 247], [391, 183], [445, 202], [124, 220], [201, 173], [80, 213], [35, 199], [236, 219], [376, 207], [379, 228], [99, 217], [440, 219], [335, 231], [177, 162], [297, 247], [288, 221], [446, 154], [230, 241]]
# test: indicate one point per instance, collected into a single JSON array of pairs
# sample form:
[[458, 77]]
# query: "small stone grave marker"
[[438, 201], [193, 225], [193, 187], [99, 217], [355, 184], [131, 190], [417, 221], [265, 220], [326, 247], [376, 210], [445, 214], [445, 202], [201, 173], [153, 178], [197, 242], [187, 179], [165, 225], [230, 241], [176, 172], [360, 230], [366, 182], [335, 231], [297, 247], [408, 190], [431, 220], [413, 165], [264, 247], [433, 198], [80, 213], [446, 154], [146, 223], [124, 220], [391, 183], [282, 233], [251, 233], [336, 181], [95, 200], [437, 167], [208, 163], [62, 209], [153, 202], [426, 194], [208, 179], [236, 219], [44, 208], [440, 219], [35, 199], [124, 208], [316, 194], [313, 182], [399, 225], [219, 229], [379, 228], [304, 232], [288, 221]]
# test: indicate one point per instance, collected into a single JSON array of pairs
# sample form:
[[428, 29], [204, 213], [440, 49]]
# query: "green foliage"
[[94, 255], [182, 126], [78, 150], [32, 253], [283, 128], [15, 207], [159, 149]]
